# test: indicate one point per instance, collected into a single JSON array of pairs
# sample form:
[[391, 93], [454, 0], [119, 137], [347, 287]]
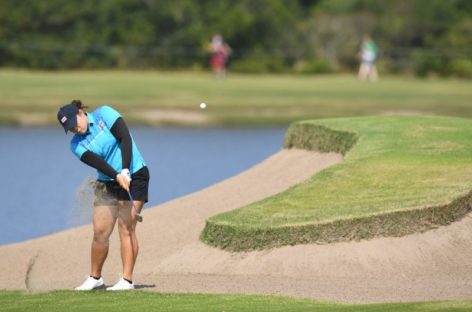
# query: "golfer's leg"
[[126, 230], [373, 73], [139, 206], [360, 74], [104, 218]]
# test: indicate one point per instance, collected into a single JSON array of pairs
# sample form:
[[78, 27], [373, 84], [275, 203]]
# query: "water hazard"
[[45, 189]]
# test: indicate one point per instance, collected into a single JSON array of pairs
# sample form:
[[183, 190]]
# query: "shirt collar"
[[91, 119], [91, 122]]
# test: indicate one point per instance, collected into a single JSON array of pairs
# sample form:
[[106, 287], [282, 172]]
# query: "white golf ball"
[[203, 105]]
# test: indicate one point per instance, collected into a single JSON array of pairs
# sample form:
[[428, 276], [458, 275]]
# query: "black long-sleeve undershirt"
[[95, 161], [121, 133]]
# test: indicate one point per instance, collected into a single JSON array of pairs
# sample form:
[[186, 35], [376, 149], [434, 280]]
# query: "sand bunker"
[[430, 266]]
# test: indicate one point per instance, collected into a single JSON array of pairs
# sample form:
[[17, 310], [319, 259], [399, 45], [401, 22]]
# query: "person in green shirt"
[[368, 55]]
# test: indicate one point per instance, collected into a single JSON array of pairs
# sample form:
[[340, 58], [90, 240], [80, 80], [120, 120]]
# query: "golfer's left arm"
[[121, 132]]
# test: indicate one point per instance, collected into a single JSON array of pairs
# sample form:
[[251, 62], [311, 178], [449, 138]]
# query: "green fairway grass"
[[146, 301], [31, 98], [400, 175]]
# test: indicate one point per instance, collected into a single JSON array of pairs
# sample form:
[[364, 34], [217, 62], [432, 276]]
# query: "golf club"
[[139, 217]]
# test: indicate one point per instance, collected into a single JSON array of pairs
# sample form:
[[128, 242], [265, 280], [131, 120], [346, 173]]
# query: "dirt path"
[[434, 265]]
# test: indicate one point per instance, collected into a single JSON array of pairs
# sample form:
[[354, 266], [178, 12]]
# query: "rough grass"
[[147, 301], [404, 175], [319, 138], [32, 98]]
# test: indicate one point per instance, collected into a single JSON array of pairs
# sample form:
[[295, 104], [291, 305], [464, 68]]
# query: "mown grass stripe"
[[150, 301]]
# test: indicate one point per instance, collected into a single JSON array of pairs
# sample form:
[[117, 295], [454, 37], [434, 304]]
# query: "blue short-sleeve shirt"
[[99, 140]]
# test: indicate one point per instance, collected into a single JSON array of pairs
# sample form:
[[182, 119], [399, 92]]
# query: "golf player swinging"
[[102, 141]]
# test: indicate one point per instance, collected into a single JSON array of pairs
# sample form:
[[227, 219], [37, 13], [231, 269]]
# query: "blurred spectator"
[[368, 55], [220, 52]]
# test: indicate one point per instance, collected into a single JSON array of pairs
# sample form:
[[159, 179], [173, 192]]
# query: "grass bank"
[[400, 175], [162, 98], [147, 301]]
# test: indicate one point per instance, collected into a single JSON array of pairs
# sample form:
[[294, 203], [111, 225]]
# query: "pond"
[[45, 188]]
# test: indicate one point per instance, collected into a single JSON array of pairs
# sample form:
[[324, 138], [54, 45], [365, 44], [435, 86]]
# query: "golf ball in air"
[[203, 105]]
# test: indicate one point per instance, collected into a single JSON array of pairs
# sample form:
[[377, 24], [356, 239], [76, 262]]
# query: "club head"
[[139, 217]]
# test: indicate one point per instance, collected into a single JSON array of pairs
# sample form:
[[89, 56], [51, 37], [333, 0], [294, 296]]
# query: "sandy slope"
[[435, 265]]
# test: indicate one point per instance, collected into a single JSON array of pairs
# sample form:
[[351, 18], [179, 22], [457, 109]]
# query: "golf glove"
[[127, 174]]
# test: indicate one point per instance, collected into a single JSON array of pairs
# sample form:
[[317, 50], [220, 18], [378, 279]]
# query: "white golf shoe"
[[122, 285], [91, 283]]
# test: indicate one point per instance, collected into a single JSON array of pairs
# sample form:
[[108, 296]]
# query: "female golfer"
[[102, 141]]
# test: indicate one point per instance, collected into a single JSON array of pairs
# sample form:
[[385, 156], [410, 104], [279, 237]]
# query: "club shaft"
[[138, 215], [131, 197]]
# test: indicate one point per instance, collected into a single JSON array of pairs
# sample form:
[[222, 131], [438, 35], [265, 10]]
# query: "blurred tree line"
[[425, 37]]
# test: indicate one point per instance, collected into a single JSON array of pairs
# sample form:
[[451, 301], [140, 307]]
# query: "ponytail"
[[78, 104]]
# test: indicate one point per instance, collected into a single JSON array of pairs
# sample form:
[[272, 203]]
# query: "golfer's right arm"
[[95, 161]]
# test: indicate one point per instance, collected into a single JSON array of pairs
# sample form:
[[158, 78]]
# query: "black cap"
[[67, 116]]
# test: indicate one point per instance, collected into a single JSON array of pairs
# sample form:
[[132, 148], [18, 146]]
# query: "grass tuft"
[[312, 137]]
